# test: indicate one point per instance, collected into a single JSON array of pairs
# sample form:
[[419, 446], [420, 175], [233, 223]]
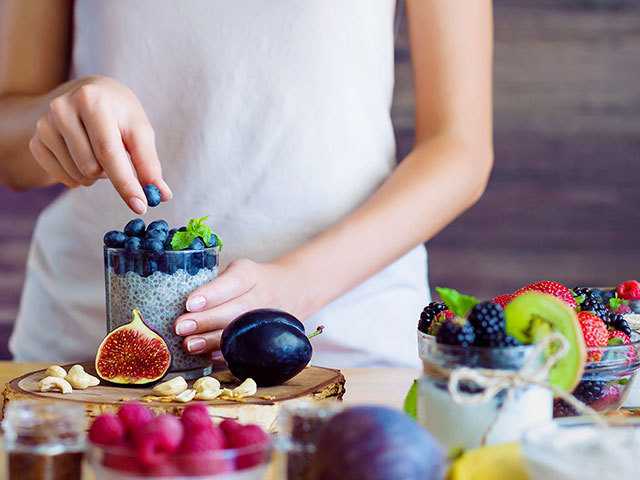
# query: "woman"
[[275, 122]]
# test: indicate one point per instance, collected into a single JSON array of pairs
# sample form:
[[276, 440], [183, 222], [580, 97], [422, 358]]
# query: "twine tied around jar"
[[492, 381]]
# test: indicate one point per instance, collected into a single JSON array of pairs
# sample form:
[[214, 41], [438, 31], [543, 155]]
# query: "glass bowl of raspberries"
[[134, 443]]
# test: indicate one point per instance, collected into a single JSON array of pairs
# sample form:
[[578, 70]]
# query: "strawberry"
[[551, 288], [595, 334], [503, 300], [629, 290], [623, 309], [621, 335]]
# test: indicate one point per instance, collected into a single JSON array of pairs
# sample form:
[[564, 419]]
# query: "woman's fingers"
[[209, 320], [52, 139], [108, 148], [49, 163], [236, 280], [206, 342]]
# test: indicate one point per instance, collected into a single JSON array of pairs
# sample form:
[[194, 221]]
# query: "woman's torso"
[[274, 121]]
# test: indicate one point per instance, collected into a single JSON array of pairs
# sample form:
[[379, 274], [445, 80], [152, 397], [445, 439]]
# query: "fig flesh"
[[133, 354], [267, 345]]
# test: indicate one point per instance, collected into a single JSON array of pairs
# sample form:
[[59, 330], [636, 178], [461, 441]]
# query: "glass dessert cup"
[[607, 378], [158, 285], [246, 463], [578, 447], [503, 418]]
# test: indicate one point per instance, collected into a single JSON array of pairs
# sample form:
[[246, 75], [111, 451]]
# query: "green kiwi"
[[532, 316]]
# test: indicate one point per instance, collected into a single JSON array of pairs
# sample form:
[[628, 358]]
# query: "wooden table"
[[381, 386]]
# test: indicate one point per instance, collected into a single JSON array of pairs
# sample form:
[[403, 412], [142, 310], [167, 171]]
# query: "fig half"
[[133, 354]]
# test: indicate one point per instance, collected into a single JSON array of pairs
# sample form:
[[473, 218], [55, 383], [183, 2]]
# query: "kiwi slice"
[[532, 316]]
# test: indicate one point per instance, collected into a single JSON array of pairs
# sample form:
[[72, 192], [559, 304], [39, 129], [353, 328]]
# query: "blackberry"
[[617, 321], [487, 319], [428, 314], [588, 391], [563, 409], [578, 291], [456, 331], [591, 304], [508, 341], [439, 319]]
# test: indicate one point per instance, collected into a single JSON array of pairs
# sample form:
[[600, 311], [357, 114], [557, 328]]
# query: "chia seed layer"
[[161, 299]]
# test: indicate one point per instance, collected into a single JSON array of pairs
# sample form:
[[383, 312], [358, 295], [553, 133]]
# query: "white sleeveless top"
[[274, 119]]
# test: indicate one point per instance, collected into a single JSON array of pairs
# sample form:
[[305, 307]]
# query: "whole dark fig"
[[267, 345], [376, 443]]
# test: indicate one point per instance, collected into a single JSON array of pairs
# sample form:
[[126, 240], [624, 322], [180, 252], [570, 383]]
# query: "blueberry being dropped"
[[196, 244], [158, 225], [153, 245], [153, 195], [135, 228], [132, 244], [114, 239]]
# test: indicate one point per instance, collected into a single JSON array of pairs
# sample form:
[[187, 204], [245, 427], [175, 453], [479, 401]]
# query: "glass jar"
[[502, 418], [44, 440], [158, 285], [299, 425]]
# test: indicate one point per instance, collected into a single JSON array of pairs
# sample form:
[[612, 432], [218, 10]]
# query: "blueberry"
[[182, 229], [196, 244], [114, 239], [156, 234], [210, 259], [153, 195], [153, 245], [132, 244], [118, 263], [135, 228], [174, 263], [195, 262], [150, 266], [159, 225], [167, 242]]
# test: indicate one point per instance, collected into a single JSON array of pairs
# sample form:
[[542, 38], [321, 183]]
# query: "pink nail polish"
[[186, 327], [195, 304], [196, 344], [138, 205]]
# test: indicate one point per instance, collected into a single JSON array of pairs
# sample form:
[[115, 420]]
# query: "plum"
[[376, 443], [267, 345]]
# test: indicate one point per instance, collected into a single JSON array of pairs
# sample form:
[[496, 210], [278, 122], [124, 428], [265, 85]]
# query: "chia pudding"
[[158, 285]]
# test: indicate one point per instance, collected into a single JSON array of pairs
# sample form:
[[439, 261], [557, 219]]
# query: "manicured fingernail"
[[196, 344], [168, 190], [217, 355], [196, 304], [185, 327], [138, 205]]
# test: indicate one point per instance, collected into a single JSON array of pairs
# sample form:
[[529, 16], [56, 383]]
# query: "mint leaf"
[[411, 401], [615, 341], [615, 303], [457, 302], [579, 299], [181, 240]]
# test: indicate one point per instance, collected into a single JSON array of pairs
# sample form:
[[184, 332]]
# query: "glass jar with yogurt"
[[158, 285], [501, 418]]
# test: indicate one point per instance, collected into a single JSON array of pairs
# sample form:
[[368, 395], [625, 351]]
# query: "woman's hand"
[[245, 285], [95, 130]]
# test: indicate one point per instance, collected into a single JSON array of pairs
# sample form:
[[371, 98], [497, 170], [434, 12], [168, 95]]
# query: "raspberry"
[[204, 464], [623, 309], [107, 429], [199, 441], [158, 438], [166, 469], [456, 331], [609, 400], [487, 320], [247, 436], [134, 416], [551, 288], [229, 425], [122, 462], [439, 320], [595, 334], [503, 300], [196, 417], [629, 290], [428, 314]]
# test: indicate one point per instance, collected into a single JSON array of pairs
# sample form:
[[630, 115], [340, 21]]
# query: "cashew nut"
[[56, 371], [245, 389], [54, 384], [79, 379], [207, 388], [186, 396], [174, 386]]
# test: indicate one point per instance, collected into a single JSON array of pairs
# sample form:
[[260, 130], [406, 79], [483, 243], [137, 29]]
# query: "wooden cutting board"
[[312, 384]]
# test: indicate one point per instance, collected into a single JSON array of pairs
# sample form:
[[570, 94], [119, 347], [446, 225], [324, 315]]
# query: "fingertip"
[[137, 205], [166, 192]]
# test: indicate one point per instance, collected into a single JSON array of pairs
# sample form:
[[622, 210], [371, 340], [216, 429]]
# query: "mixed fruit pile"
[[137, 442], [601, 313]]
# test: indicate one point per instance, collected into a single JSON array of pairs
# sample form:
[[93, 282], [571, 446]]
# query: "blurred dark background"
[[563, 196]]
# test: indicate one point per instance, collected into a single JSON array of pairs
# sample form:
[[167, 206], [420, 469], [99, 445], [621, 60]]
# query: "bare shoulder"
[[34, 45]]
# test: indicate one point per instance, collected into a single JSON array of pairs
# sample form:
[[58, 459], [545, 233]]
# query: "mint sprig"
[[457, 302], [615, 303], [196, 227]]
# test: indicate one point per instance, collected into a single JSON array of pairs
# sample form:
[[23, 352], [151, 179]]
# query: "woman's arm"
[[445, 174], [73, 132]]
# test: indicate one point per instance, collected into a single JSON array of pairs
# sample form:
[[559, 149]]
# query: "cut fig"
[[133, 354]]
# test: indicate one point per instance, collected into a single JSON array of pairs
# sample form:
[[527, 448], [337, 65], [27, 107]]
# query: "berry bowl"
[[118, 463], [607, 377]]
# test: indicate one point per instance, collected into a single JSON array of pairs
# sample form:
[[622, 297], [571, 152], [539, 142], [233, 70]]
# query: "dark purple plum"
[[267, 345], [376, 443]]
